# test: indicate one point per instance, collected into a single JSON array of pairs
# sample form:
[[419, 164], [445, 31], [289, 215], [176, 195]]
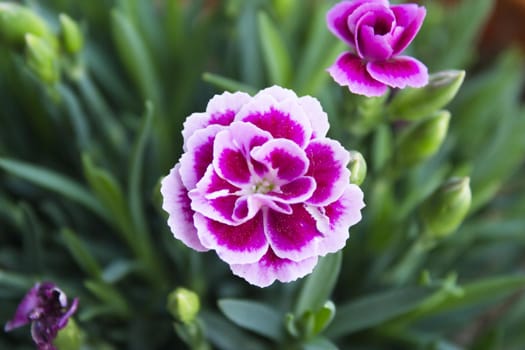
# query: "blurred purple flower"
[[377, 33], [45, 307], [261, 184]]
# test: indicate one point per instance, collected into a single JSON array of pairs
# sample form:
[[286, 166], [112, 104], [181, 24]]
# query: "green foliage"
[[91, 114]]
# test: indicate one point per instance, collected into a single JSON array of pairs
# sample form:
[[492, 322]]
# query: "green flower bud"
[[69, 337], [16, 21], [422, 140], [412, 104], [42, 59], [446, 208], [184, 305], [357, 168], [71, 35]]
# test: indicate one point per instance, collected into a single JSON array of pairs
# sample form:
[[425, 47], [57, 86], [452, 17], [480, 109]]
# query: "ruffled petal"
[[270, 268], [335, 219], [410, 17], [285, 119], [287, 160], [241, 244], [277, 92], [199, 156], [214, 197], [317, 116], [328, 166], [221, 110], [399, 72], [231, 152], [349, 70], [296, 191], [177, 204], [293, 236], [337, 18]]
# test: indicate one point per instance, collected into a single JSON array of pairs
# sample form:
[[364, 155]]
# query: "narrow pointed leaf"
[[55, 182], [319, 285], [275, 53]]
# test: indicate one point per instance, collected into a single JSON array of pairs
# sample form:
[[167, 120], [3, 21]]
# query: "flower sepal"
[[447, 207], [414, 104]]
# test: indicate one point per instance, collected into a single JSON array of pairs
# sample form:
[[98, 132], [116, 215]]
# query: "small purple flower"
[[377, 32], [261, 184], [45, 307]]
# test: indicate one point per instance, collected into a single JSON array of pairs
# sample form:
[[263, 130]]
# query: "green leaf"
[[319, 285], [15, 280], [473, 293], [254, 316], [135, 55], [108, 191], [228, 84], [55, 182], [109, 295], [81, 253], [277, 59], [373, 310], [119, 269], [136, 202], [319, 343], [318, 44], [225, 336]]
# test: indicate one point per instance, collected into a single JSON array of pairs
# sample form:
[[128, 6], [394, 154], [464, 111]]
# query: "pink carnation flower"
[[377, 32], [261, 184]]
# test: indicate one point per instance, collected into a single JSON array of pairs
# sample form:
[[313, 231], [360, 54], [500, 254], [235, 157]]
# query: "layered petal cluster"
[[377, 34], [45, 306], [261, 185]]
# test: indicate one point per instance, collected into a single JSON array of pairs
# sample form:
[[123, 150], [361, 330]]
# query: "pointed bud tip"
[[358, 168], [71, 35], [447, 207], [183, 304]]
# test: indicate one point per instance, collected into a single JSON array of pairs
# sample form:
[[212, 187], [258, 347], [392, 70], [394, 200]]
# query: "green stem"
[[411, 260], [101, 113]]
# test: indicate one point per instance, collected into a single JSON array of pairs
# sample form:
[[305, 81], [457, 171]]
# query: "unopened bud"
[[71, 35], [446, 208], [70, 337], [422, 140], [357, 168], [42, 59], [16, 21], [412, 104], [184, 305]]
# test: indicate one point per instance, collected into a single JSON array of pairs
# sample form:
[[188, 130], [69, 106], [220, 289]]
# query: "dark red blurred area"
[[505, 27]]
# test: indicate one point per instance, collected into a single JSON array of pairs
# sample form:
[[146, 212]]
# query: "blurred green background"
[[91, 108]]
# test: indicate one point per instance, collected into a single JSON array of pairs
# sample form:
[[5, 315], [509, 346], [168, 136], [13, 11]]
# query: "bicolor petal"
[[328, 161], [399, 72], [271, 268], [410, 17], [293, 236], [285, 119], [241, 244], [349, 70], [178, 205]]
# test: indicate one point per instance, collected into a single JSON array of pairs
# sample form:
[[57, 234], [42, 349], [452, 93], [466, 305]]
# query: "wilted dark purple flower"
[[45, 307]]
